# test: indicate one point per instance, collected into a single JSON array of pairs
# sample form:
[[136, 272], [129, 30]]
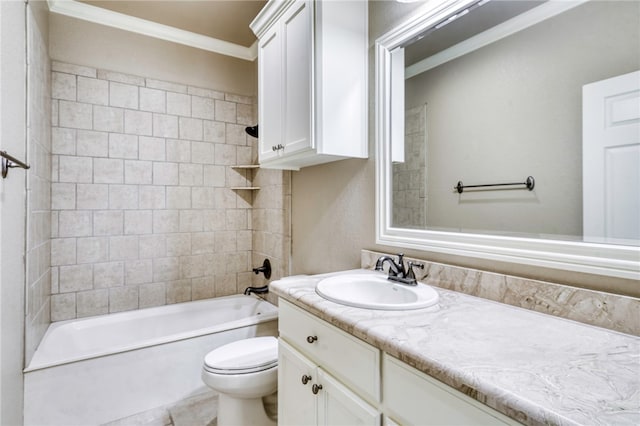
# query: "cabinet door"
[[431, 402], [270, 69], [296, 402], [298, 58], [337, 405]]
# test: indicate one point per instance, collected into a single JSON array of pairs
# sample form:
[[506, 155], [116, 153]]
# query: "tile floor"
[[197, 410]]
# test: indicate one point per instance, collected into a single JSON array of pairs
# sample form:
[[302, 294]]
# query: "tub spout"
[[257, 290]]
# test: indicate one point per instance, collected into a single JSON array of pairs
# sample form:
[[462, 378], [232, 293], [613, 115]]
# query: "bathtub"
[[100, 369]]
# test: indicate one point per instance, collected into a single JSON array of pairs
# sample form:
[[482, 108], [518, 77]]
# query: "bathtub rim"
[[271, 315]]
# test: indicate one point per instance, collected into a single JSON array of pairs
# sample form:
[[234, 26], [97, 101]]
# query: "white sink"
[[375, 292]]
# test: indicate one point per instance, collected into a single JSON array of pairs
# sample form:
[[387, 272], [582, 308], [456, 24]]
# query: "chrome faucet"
[[397, 271]]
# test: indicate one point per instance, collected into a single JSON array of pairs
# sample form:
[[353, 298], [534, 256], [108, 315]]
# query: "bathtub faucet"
[[257, 290]]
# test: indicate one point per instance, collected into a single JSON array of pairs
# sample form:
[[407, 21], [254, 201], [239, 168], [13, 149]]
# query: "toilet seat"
[[243, 356]]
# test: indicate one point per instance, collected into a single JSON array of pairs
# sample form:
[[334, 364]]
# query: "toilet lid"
[[243, 356]]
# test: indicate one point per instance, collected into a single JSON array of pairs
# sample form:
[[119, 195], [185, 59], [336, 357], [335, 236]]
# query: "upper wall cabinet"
[[312, 82]]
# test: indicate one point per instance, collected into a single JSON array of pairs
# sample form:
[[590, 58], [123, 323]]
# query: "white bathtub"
[[99, 369]]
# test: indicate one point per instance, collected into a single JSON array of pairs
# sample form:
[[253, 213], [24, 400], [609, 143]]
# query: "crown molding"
[[87, 12]]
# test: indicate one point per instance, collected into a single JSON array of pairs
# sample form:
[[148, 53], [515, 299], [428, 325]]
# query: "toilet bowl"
[[243, 372]]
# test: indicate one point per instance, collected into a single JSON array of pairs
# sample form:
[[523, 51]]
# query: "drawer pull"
[[316, 388], [305, 379], [311, 339]]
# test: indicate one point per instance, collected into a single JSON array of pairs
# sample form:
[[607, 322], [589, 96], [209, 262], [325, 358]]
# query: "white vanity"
[[465, 361]]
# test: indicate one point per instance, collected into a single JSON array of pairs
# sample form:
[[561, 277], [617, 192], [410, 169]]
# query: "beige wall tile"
[[108, 274], [92, 196], [63, 196], [123, 299], [63, 141], [190, 128], [123, 248], [153, 100], [165, 126], [123, 146], [63, 306], [178, 291], [214, 131], [123, 95], [93, 249], [106, 119], [165, 174], [190, 174], [138, 222], [202, 152], [108, 222], [225, 111], [202, 107], [150, 148], [75, 115], [107, 170], [94, 302], [63, 251], [63, 86], [75, 223], [138, 271], [75, 169], [123, 197], [152, 295], [166, 221], [75, 278], [138, 122], [93, 91], [151, 197], [178, 197], [92, 144], [178, 150], [138, 172], [178, 104]]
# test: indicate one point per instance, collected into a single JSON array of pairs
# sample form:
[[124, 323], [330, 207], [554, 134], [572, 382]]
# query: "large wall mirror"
[[510, 130]]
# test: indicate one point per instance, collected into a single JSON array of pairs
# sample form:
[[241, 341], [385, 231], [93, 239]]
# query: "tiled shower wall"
[[143, 213], [38, 185], [410, 177]]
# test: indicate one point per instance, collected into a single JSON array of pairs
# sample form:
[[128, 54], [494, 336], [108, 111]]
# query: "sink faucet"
[[397, 271]]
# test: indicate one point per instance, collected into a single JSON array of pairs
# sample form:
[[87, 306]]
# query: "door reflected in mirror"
[[503, 90]]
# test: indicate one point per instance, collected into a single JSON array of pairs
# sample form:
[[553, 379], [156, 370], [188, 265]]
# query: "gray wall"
[[513, 109], [333, 205]]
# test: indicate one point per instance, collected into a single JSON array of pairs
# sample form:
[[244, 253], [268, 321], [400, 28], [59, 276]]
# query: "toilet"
[[243, 372]]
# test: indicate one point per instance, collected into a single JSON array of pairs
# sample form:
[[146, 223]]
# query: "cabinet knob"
[[316, 388], [311, 339], [305, 379]]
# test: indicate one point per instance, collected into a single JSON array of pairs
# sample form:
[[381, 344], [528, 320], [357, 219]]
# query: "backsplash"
[[143, 210], [607, 310]]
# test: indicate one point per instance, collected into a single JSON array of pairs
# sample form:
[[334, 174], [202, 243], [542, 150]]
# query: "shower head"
[[252, 131]]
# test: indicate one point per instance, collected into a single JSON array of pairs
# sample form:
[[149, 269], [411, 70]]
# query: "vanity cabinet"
[[312, 82], [413, 398], [325, 376], [328, 377]]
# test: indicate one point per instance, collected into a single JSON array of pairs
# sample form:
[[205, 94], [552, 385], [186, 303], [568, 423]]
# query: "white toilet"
[[243, 372]]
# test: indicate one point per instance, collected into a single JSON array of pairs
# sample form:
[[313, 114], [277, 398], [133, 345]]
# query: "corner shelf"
[[245, 167]]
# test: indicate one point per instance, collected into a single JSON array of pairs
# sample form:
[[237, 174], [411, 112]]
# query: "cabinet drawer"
[[430, 402], [349, 359]]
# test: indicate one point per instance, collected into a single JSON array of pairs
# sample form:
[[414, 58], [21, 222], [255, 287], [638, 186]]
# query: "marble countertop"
[[532, 367]]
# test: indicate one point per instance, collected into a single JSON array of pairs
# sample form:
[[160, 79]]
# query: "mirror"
[[489, 93]]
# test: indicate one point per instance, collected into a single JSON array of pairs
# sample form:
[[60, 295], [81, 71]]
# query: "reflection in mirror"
[[503, 90]]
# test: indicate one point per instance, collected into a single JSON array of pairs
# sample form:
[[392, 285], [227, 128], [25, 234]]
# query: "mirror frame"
[[592, 258]]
